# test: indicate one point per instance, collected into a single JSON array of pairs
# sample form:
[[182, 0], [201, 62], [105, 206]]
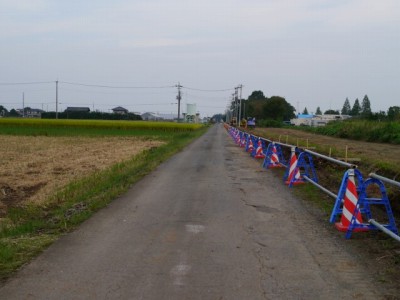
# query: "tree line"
[[260, 107], [276, 108], [363, 111], [71, 115]]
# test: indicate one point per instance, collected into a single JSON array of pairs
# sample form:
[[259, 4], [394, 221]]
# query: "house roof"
[[304, 116], [70, 108], [119, 108], [159, 116]]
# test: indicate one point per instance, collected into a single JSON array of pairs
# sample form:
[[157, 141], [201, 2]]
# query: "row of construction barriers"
[[352, 210]]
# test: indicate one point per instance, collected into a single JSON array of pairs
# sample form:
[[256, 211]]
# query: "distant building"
[[77, 109], [120, 110], [30, 112], [316, 120], [150, 116], [168, 117], [191, 116]]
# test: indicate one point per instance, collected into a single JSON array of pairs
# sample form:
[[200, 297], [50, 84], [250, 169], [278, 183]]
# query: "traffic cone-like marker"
[[259, 150], [294, 177], [349, 206], [274, 163], [237, 137], [251, 146], [243, 141]]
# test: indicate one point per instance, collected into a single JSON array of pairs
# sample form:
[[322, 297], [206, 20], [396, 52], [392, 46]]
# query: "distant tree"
[[218, 117], [254, 104], [276, 108], [356, 109], [331, 112], [256, 95], [13, 113], [346, 107], [3, 111], [318, 112], [393, 113], [378, 116], [305, 111], [366, 108]]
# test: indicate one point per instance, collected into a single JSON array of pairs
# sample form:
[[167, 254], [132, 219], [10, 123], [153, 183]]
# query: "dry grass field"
[[33, 168]]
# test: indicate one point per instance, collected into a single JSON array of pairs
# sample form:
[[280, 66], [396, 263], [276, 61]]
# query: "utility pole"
[[56, 99], [244, 104], [23, 104], [179, 97], [237, 106], [234, 105], [240, 103]]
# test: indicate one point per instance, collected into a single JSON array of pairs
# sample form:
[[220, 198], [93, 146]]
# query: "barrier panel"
[[299, 168], [353, 204], [258, 151], [274, 157]]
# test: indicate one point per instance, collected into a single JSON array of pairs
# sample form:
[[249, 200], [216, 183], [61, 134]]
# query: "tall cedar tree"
[[356, 110], [366, 107], [346, 110], [318, 111], [305, 111]]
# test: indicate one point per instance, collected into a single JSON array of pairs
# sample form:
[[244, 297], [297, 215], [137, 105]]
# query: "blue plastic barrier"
[[268, 155], [306, 167], [363, 204]]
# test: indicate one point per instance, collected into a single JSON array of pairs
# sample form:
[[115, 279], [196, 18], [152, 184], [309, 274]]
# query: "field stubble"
[[33, 168]]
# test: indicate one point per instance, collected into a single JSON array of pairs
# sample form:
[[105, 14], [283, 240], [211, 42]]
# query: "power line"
[[117, 87], [203, 90], [23, 83]]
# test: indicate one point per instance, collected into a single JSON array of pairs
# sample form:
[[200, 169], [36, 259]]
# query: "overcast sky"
[[312, 52]]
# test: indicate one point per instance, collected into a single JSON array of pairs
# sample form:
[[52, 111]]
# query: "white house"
[[316, 120]]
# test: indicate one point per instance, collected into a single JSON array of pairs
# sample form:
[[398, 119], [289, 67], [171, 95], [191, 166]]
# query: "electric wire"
[[117, 87], [204, 90], [25, 83]]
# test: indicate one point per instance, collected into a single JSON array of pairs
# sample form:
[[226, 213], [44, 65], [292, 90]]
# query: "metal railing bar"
[[384, 229], [333, 195], [331, 159], [373, 175]]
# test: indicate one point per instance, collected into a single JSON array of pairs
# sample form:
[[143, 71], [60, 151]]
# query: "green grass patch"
[[362, 130], [27, 230], [15, 251], [314, 195]]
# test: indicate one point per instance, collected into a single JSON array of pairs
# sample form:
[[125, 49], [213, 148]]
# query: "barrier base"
[[298, 182], [357, 228]]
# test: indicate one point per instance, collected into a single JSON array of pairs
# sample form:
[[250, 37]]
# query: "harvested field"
[[33, 168]]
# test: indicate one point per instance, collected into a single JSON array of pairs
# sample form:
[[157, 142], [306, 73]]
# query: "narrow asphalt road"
[[209, 223]]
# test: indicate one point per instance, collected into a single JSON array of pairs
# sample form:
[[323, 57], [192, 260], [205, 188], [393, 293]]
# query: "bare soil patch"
[[33, 168]]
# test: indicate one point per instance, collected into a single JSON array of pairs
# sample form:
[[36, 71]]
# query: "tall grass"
[[49, 126], [364, 130]]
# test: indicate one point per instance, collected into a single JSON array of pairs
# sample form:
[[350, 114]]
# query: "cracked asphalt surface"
[[209, 223]]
